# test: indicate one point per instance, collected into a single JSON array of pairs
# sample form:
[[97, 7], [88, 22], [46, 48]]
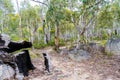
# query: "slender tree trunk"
[[31, 32], [2, 25], [78, 34], [45, 33], [35, 27], [28, 28], [49, 35], [56, 37], [20, 28]]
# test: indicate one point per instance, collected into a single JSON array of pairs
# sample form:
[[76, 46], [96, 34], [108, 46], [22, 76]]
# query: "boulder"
[[78, 55], [6, 72], [92, 47], [113, 46]]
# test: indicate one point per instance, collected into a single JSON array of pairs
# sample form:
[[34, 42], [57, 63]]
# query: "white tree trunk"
[[20, 28]]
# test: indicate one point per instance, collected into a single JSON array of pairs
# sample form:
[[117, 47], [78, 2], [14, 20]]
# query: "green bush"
[[39, 44], [51, 43], [101, 42], [14, 37], [61, 42]]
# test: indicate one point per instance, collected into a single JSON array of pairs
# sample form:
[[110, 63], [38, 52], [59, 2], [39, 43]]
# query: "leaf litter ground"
[[98, 67]]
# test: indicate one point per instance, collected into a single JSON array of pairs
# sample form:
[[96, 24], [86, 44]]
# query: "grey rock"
[[92, 47], [113, 46], [78, 55]]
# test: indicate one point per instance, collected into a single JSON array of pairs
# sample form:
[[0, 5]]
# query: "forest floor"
[[98, 67]]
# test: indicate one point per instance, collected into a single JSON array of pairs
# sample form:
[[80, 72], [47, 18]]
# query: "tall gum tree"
[[30, 20], [84, 16], [54, 16], [46, 27]]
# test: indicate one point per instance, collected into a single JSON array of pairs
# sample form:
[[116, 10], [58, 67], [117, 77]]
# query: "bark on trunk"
[[49, 35], [45, 33], [56, 37]]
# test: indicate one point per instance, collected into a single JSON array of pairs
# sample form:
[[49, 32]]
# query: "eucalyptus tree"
[[6, 7], [42, 12], [46, 31], [84, 15], [30, 20], [54, 16], [108, 17]]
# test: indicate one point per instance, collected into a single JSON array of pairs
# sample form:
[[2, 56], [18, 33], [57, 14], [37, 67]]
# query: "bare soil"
[[98, 67]]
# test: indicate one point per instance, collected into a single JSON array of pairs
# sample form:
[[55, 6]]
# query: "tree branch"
[[89, 21], [93, 5], [40, 2]]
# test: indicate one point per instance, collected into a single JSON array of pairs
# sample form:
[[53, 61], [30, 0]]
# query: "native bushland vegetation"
[[56, 22]]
